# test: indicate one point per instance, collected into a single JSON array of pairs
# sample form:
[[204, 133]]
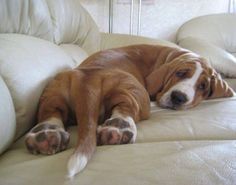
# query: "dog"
[[111, 91]]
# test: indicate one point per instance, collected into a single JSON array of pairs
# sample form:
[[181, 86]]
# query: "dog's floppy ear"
[[155, 80], [218, 87]]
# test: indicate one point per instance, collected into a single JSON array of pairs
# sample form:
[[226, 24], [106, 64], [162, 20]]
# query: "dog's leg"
[[128, 106], [49, 136]]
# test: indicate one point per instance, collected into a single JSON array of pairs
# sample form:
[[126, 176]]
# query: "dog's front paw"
[[115, 131], [46, 138]]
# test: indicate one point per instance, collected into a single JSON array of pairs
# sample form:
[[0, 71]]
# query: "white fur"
[[186, 86], [55, 121], [76, 163], [52, 120], [131, 122]]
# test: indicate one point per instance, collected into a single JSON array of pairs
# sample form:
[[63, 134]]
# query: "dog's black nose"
[[178, 98]]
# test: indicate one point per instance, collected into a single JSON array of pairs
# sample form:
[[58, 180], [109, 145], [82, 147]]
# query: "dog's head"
[[185, 82]]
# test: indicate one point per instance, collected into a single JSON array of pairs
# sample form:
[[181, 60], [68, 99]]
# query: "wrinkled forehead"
[[195, 70], [189, 66], [193, 64], [199, 67]]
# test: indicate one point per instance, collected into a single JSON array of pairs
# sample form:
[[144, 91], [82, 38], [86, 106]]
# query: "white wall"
[[159, 18]]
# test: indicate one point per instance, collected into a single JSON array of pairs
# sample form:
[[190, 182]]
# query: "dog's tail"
[[87, 102], [82, 154]]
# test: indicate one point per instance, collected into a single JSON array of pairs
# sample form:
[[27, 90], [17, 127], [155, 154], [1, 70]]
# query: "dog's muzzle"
[[178, 98]]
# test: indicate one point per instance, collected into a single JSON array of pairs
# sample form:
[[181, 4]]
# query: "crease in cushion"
[[61, 21], [30, 17], [218, 123], [72, 24], [186, 162], [27, 64], [75, 52], [7, 118], [166, 125]]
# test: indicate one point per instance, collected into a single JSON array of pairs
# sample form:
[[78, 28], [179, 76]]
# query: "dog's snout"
[[178, 98]]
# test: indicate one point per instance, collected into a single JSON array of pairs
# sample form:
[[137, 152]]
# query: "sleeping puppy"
[[111, 91]]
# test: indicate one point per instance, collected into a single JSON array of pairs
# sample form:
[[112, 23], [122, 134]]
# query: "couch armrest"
[[118, 40], [7, 117], [221, 60]]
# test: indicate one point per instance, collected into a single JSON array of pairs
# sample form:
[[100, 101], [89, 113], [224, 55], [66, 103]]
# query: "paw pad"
[[114, 131], [47, 139]]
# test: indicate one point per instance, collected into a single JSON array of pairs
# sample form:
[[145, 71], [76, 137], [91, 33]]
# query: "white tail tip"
[[76, 163]]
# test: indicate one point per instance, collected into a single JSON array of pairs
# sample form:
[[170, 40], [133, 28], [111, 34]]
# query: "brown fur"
[[119, 79]]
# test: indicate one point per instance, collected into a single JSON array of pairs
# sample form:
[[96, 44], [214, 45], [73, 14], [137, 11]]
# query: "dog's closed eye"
[[182, 73]]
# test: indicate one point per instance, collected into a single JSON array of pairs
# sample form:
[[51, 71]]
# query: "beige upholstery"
[[119, 40], [61, 21], [180, 162], [27, 64], [75, 52], [174, 147], [7, 117], [39, 38]]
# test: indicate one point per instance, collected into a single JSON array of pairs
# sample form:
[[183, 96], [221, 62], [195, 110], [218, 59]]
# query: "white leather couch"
[[39, 38]]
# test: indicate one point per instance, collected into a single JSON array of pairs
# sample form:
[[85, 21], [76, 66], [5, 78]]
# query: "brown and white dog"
[[111, 90]]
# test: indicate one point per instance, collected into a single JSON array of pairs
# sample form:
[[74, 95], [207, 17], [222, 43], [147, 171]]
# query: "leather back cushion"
[[7, 117], [60, 21], [27, 64]]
